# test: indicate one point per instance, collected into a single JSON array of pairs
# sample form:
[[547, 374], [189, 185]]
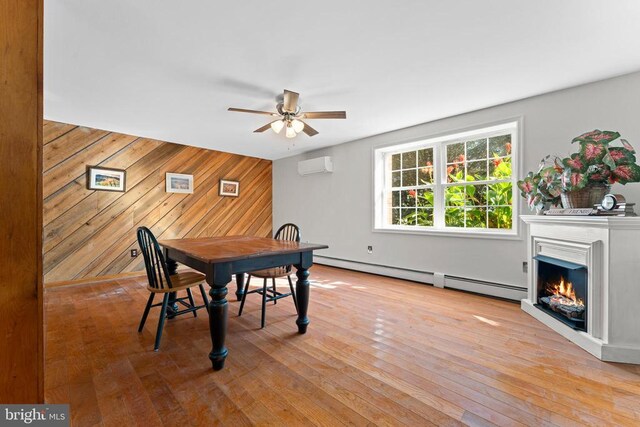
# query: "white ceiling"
[[169, 69]]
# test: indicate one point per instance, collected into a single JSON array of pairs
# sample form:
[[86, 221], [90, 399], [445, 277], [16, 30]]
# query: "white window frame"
[[438, 142]]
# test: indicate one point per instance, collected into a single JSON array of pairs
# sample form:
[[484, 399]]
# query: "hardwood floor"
[[378, 351]]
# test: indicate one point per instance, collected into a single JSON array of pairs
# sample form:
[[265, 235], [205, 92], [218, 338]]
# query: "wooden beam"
[[21, 357]]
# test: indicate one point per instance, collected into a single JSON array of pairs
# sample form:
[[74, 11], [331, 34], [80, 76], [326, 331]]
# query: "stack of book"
[[570, 212], [623, 209]]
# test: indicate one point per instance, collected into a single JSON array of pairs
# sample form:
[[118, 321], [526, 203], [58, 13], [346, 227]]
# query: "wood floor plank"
[[333, 376], [347, 366], [378, 351], [523, 353], [530, 382]]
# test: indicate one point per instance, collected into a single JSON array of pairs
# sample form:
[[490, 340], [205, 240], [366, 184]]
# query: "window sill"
[[476, 234]]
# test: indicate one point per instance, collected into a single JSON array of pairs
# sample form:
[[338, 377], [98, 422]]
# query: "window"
[[463, 182]]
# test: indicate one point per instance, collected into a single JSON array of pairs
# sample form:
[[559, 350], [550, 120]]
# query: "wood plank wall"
[[21, 350], [90, 233]]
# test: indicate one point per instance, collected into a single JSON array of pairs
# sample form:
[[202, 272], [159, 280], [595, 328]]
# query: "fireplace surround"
[[600, 258]]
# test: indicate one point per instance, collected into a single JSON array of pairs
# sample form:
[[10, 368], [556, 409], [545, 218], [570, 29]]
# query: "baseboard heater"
[[486, 288], [454, 282]]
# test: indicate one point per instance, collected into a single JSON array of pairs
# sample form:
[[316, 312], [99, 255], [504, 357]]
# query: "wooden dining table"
[[220, 258]]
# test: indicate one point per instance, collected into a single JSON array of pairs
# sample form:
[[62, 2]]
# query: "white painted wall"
[[336, 208]]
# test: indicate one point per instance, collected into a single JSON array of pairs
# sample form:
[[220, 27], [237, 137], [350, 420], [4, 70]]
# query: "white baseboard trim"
[[620, 354], [461, 283]]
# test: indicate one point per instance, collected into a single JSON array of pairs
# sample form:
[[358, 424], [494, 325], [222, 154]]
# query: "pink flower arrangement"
[[595, 162]]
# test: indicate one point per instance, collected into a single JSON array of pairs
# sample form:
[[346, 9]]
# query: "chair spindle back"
[[289, 232], [154, 262]]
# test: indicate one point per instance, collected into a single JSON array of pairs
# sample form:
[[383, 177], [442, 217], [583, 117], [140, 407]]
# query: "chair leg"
[[146, 311], [163, 314], [244, 295], [192, 302], [273, 280], [264, 302], [204, 297], [293, 293]]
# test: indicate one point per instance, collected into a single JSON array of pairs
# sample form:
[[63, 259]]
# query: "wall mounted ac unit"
[[317, 165]]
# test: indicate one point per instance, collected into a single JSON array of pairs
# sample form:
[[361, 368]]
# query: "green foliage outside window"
[[466, 204], [482, 205]]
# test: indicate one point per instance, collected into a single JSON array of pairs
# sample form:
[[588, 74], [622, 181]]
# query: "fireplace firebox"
[[562, 290]]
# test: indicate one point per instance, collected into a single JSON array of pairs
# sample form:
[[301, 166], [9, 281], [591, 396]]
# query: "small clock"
[[611, 201]]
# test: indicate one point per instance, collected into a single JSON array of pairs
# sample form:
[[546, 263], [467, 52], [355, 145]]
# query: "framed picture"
[[229, 188], [106, 179], [179, 183]]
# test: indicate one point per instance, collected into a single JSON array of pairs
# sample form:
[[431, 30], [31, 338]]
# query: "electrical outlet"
[[370, 249], [525, 266], [134, 253]]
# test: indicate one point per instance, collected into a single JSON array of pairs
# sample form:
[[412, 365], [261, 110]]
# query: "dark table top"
[[231, 248]]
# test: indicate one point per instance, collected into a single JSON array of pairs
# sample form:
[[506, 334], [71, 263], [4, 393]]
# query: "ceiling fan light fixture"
[[277, 126], [297, 125], [290, 133], [289, 114]]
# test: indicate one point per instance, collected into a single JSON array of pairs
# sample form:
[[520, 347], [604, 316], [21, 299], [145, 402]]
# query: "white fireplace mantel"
[[610, 249]]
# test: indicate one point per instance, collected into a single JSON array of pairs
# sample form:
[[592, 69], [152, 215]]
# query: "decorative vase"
[[586, 197]]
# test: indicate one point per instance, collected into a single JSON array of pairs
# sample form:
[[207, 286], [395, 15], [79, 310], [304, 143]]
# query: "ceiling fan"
[[290, 116]]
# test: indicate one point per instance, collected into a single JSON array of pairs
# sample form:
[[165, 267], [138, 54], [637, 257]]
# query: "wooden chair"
[[161, 282], [289, 232]]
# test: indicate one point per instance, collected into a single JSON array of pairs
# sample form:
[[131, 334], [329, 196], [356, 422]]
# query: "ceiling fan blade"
[[244, 110], [290, 101], [265, 127], [325, 115], [309, 130]]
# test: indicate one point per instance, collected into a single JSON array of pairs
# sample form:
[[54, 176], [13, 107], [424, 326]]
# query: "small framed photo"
[[179, 183], [229, 188], [106, 179]]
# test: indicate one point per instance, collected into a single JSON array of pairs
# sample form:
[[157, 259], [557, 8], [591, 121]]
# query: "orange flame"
[[566, 292]]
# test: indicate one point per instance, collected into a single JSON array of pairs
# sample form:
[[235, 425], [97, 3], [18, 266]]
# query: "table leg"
[[302, 294], [240, 285], [218, 308], [172, 308]]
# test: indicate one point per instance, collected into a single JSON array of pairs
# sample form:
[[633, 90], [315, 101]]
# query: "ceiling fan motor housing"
[[282, 111]]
